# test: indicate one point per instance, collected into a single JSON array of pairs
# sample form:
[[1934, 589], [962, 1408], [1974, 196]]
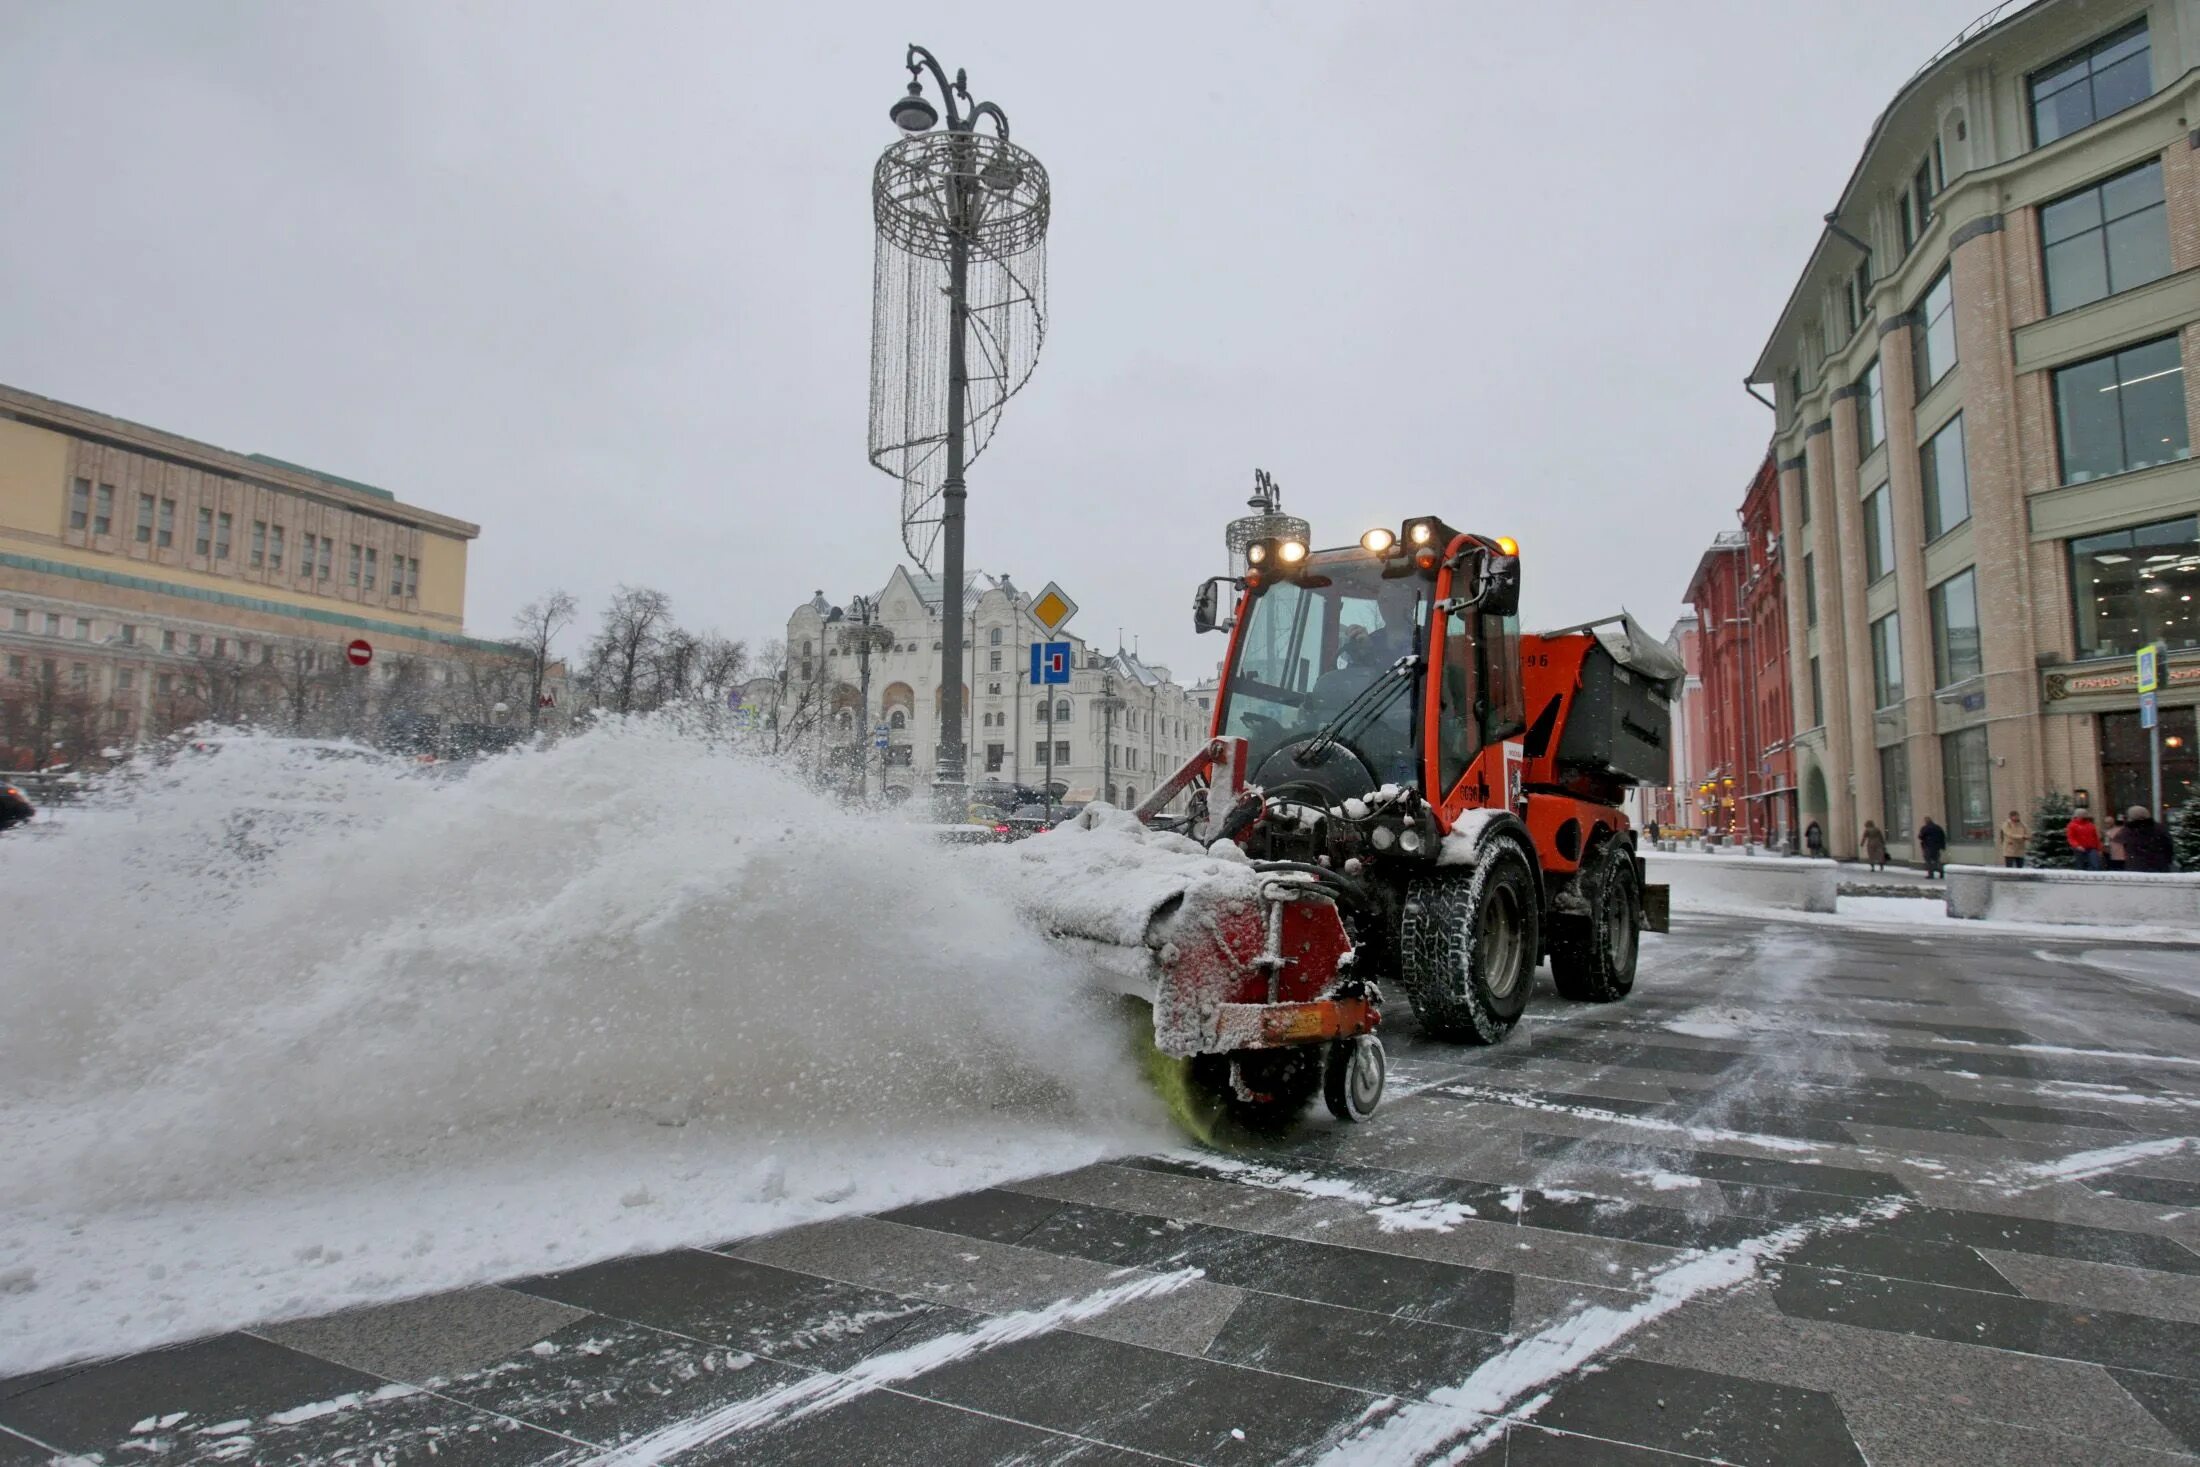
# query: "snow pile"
[[1104, 875], [371, 1033]]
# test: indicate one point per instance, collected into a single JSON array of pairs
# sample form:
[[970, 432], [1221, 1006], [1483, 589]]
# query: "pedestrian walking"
[[2084, 838], [1932, 841], [2016, 839], [2146, 842], [1814, 839], [2112, 845], [1874, 842]]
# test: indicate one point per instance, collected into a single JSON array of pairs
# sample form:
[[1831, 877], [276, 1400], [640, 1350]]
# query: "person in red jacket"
[[2085, 839]]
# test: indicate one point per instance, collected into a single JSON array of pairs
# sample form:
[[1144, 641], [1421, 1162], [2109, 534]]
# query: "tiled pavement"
[[1792, 1203]]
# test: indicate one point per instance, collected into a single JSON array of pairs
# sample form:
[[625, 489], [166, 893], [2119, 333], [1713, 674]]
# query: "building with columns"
[[1987, 496], [1117, 728]]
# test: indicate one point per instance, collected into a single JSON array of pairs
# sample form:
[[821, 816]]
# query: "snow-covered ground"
[[281, 1034]]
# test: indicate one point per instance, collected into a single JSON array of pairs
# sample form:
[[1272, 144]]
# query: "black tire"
[[1352, 1083], [1593, 954], [1469, 942]]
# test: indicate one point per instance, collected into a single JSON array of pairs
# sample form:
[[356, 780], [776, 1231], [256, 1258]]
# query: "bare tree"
[[674, 666], [721, 662], [300, 684], [536, 630], [40, 717], [620, 656]]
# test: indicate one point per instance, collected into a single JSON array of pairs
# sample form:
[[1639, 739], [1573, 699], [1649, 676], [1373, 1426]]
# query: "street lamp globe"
[[913, 113]]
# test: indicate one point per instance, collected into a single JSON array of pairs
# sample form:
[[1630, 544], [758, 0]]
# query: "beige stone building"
[[1984, 428], [148, 580], [1116, 729]]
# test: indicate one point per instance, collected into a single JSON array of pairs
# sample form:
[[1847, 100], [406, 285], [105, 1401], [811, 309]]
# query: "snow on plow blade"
[[1230, 957]]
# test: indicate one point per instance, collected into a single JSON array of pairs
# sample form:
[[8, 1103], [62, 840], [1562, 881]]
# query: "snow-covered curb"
[[1799, 885], [2098, 898], [1913, 914]]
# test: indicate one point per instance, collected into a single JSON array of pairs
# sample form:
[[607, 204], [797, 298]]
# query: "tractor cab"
[[1334, 655]]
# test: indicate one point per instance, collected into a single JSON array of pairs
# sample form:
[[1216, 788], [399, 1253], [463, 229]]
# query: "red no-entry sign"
[[359, 653]]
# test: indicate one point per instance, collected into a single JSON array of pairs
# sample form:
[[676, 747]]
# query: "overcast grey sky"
[[598, 276]]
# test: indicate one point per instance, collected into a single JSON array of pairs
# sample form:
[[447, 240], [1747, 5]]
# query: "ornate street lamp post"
[[960, 269]]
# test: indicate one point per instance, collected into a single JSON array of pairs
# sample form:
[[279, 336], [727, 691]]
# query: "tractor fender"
[[1473, 829]]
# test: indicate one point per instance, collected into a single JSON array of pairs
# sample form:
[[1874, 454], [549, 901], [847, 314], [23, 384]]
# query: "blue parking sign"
[[1049, 662]]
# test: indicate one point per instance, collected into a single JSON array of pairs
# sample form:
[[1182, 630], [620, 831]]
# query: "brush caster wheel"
[[1353, 1083]]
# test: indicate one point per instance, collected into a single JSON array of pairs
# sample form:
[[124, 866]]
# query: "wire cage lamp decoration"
[[1266, 522], [961, 219]]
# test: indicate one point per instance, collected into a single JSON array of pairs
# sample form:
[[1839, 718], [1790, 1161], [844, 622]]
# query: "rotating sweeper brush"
[[1400, 792]]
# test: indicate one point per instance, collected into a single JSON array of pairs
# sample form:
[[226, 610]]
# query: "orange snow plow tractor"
[[1425, 800]]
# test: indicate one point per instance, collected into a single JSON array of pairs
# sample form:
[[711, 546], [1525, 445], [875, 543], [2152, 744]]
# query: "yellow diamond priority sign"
[[1053, 607]]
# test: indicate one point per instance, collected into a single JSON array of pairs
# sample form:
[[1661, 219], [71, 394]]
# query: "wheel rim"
[[1619, 927], [1498, 944], [1365, 1078]]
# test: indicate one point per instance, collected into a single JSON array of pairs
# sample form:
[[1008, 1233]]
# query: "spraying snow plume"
[[284, 967]]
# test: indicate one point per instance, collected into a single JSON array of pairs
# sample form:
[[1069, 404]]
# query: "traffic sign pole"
[[2149, 668]]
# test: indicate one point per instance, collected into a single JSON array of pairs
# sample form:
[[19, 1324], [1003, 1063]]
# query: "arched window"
[[805, 647], [993, 637], [1130, 797], [897, 719]]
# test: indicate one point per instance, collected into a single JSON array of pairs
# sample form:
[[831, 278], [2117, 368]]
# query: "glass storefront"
[[2124, 767], [2137, 586]]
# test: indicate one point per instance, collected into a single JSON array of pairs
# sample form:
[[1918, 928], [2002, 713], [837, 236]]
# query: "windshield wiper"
[[1369, 704]]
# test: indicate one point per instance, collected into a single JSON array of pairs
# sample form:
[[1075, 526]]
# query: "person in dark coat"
[[2146, 842], [1932, 841], [1814, 839], [14, 809]]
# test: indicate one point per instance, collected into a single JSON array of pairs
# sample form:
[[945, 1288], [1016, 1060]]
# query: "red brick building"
[[1747, 778]]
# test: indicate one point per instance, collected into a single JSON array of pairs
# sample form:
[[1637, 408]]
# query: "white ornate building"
[[1115, 730]]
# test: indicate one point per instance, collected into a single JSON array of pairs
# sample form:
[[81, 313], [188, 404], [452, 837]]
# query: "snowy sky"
[[598, 277]]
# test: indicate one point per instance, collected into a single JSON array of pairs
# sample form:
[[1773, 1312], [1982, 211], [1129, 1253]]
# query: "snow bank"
[[286, 1032], [1745, 883]]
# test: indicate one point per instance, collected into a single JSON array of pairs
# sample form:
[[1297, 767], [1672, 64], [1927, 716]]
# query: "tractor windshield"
[[1313, 643]]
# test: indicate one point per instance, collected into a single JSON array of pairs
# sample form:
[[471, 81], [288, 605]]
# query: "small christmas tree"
[[2184, 829], [2050, 848]]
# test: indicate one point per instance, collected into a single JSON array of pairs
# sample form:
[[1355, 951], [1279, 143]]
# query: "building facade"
[[149, 581], [1987, 495], [1117, 728], [1737, 595]]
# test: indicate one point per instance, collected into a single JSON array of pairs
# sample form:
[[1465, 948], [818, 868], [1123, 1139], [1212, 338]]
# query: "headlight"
[[1383, 838], [1378, 541], [1422, 532], [1255, 554], [1410, 842], [1291, 551]]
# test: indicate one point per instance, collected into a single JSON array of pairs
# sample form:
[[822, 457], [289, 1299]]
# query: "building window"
[[1894, 791], [995, 756], [129, 634], [1041, 756], [2105, 238], [1061, 752], [259, 543], [145, 519], [993, 637], [125, 680], [83, 629], [1817, 697], [166, 683], [2125, 758], [1871, 411], [20, 621], [993, 662], [1933, 334], [1955, 629], [354, 575], [1887, 660], [167, 524], [221, 536], [2121, 412], [1923, 185], [53, 623], [1906, 219], [2137, 586], [80, 504], [203, 541], [103, 515], [328, 556], [1963, 763], [412, 576], [1061, 712], [370, 567], [274, 547], [167, 641], [1878, 535], [2100, 81], [197, 644], [80, 676], [1810, 591], [1947, 479]]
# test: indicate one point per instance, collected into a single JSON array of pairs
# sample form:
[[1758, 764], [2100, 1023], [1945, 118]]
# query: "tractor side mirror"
[[1206, 606], [1501, 585]]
